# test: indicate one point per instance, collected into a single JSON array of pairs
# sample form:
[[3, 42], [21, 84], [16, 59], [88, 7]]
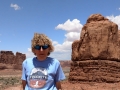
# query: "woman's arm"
[[23, 84], [58, 85]]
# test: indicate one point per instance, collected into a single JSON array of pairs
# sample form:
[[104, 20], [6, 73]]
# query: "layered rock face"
[[8, 57], [96, 56]]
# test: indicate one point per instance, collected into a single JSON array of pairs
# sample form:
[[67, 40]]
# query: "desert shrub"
[[9, 81]]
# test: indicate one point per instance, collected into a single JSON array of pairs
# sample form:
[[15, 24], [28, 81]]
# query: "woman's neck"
[[41, 59]]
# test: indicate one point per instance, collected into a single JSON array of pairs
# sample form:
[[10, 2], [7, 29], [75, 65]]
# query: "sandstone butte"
[[96, 55], [10, 61]]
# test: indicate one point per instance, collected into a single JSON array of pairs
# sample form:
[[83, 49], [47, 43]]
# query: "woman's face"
[[41, 51]]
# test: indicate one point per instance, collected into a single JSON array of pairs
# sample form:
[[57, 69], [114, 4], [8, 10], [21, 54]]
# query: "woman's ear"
[[33, 50]]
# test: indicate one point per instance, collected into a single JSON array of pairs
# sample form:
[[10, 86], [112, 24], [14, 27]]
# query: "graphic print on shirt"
[[38, 77]]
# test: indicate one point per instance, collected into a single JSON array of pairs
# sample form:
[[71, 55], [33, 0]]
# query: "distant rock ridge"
[[96, 56], [8, 57]]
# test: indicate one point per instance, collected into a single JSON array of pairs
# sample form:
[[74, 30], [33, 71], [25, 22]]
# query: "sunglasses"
[[38, 47]]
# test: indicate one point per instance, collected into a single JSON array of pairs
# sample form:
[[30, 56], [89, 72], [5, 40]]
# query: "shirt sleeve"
[[59, 74], [23, 72]]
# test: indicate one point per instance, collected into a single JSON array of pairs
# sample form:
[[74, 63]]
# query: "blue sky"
[[60, 20]]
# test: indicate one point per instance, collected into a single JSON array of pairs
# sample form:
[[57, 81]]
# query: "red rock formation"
[[65, 63], [20, 58], [8, 57], [96, 56]]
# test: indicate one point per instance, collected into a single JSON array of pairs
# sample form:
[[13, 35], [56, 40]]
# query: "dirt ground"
[[65, 84], [82, 86]]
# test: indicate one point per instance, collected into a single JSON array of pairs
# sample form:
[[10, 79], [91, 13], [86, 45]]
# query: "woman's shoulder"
[[27, 60], [54, 60]]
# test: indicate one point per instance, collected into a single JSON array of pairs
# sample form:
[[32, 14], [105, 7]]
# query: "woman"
[[41, 72]]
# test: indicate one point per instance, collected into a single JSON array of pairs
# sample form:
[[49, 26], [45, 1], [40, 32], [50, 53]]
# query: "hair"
[[41, 39]]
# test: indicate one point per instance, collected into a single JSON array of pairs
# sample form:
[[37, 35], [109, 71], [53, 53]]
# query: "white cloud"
[[63, 51], [65, 47], [15, 6], [61, 56], [115, 19], [72, 36], [29, 53], [29, 49], [73, 28], [119, 8], [70, 26], [54, 42]]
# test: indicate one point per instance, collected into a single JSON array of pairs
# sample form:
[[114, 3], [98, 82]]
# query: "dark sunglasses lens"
[[37, 47], [45, 46]]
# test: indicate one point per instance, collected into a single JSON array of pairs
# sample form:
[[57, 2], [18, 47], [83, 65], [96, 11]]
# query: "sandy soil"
[[82, 86]]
